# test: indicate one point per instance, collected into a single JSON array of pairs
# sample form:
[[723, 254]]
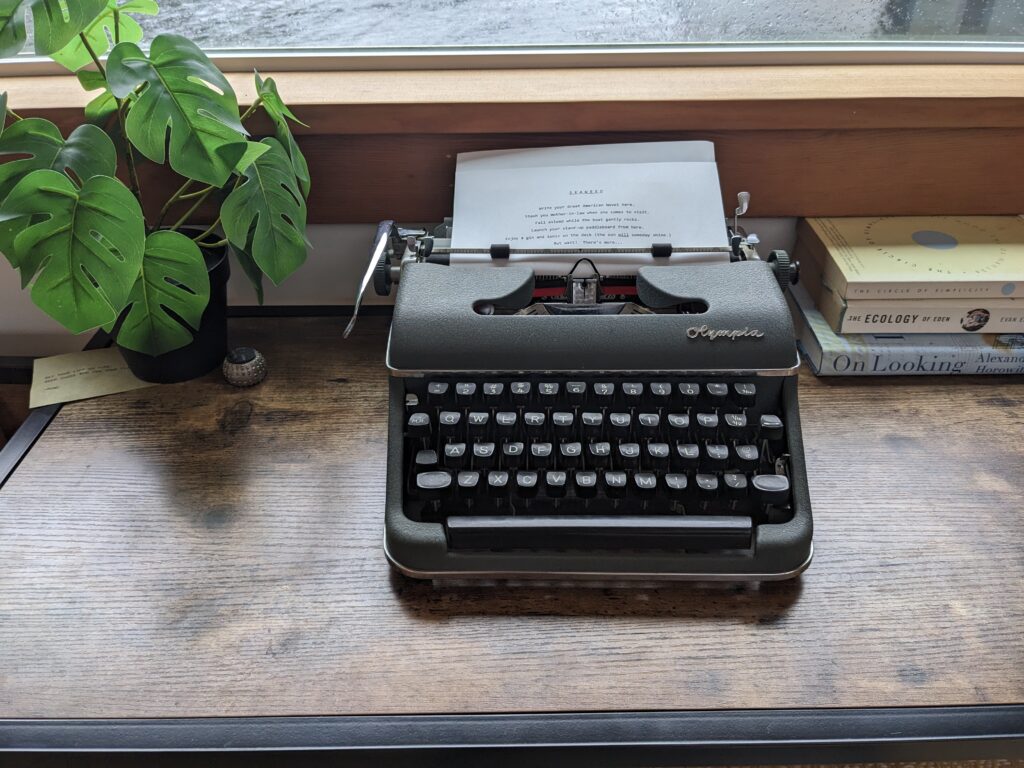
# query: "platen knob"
[[382, 275], [784, 267]]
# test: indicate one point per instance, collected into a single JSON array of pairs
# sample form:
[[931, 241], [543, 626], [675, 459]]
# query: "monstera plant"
[[72, 215]]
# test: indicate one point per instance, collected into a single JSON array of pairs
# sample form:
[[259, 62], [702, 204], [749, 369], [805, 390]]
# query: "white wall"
[[329, 277]]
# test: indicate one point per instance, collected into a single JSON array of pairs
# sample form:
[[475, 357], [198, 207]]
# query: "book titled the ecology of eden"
[[955, 315], [830, 354]]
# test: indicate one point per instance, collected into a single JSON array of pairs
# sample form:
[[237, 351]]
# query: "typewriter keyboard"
[[606, 463]]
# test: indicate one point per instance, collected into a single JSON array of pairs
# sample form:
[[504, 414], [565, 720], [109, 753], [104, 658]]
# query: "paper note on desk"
[[80, 375], [611, 195]]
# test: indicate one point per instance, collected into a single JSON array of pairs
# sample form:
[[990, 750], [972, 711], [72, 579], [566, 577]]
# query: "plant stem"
[[117, 26], [197, 193], [208, 231], [217, 244], [255, 105], [14, 115], [171, 201], [238, 182], [195, 206], [92, 53], [129, 155]]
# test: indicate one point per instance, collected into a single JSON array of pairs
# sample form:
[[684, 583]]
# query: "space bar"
[[700, 532]]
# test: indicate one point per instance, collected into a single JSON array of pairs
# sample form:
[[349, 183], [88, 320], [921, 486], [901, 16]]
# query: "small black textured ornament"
[[244, 367]]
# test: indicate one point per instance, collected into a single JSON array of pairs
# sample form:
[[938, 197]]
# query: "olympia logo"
[[704, 332]]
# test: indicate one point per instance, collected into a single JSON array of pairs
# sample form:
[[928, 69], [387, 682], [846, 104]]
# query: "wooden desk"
[[199, 551]]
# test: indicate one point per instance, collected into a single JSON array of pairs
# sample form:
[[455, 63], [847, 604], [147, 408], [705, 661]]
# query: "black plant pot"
[[209, 344]]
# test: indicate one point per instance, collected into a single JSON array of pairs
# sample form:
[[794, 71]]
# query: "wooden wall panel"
[[360, 178], [364, 178], [813, 140]]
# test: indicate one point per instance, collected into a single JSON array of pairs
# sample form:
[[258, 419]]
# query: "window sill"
[[618, 99]]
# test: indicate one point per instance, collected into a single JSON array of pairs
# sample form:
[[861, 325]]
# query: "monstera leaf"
[[266, 215], [113, 23], [82, 248], [279, 113], [252, 271], [55, 23], [37, 143], [101, 107], [186, 95], [12, 27], [173, 280], [252, 150]]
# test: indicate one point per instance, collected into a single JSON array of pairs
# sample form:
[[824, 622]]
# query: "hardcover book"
[[917, 257], [899, 354]]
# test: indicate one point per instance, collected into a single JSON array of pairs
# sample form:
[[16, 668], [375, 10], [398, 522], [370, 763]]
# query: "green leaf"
[[81, 247], [3, 111], [252, 150], [55, 22], [272, 101], [252, 271], [87, 152], [12, 27], [103, 29], [103, 106], [266, 215], [278, 112], [90, 79], [185, 95], [173, 280], [35, 143]]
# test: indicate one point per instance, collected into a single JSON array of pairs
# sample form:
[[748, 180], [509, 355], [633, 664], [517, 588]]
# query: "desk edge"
[[637, 738]]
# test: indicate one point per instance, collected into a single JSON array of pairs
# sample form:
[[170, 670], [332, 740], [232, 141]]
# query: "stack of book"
[[911, 295]]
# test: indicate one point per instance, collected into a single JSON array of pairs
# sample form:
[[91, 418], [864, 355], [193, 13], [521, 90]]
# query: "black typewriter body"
[[656, 437]]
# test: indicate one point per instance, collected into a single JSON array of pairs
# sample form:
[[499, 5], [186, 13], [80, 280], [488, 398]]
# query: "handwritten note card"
[[80, 375], [518, 199]]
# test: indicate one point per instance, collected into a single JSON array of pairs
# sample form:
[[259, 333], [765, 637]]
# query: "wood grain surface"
[[196, 550], [611, 98]]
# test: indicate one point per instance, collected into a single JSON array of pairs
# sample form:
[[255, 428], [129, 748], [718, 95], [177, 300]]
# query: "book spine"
[[805, 338], [921, 362], [984, 289], [827, 272], [922, 316]]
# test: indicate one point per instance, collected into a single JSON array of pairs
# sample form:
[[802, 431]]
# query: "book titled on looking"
[[830, 354]]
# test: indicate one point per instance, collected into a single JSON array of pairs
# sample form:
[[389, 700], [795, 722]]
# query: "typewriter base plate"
[[590, 576]]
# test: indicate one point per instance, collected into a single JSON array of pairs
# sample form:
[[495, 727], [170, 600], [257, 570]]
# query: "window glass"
[[407, 23]]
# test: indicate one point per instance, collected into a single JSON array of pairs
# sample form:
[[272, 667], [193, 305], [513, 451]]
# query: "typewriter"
[[590, 426]]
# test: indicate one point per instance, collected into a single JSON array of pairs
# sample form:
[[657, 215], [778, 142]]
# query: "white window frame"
[[573, 56]]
